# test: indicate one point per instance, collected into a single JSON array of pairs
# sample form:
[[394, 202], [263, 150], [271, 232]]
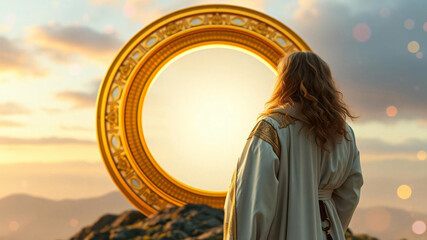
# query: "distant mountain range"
[[25, 217]]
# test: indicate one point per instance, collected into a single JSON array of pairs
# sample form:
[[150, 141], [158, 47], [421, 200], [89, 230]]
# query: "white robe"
[[280, 177]]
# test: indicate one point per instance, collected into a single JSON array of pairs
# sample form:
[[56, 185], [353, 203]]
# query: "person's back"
[[291, 160]]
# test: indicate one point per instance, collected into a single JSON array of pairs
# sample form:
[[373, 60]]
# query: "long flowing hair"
[[305, 78]]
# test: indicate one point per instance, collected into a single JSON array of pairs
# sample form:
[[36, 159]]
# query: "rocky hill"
[[189, 222]]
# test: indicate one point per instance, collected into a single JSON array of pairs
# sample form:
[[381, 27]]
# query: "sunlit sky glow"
[[211, 107], [54, 55]]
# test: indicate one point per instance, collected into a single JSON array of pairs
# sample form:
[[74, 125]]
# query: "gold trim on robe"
[[283, 119], [266, 131]]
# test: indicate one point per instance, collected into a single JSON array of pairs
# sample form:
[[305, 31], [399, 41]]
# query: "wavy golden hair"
[[305, 78]]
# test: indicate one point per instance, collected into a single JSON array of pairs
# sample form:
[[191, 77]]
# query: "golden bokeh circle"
[[121, 96]]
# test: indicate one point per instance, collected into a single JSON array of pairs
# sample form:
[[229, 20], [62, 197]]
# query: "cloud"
[[410, 146], [12, 108], [378, 72], [78, 128], [43, 141], [8, 123], [63, 43], [15, 59], [51, 110], [81, 99]]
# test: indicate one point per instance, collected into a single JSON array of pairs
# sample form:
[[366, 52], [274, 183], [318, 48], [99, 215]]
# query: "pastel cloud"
[[43, 141], [76, 128], [79, 98], [8, 123], [13, 108], [15, 59], [65, 42], [376, 149]]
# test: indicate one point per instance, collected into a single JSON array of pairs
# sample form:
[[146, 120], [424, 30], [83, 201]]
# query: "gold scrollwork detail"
[[172, 28], [112, 116], [260, 27], [126, 68], [216, 19], [123, 163]]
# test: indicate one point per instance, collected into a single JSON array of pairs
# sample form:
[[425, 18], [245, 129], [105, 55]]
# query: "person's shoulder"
[[266, 130], [350, 133], [280, 120]]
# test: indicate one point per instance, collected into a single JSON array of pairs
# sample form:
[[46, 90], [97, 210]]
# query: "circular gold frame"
[[122, 93]]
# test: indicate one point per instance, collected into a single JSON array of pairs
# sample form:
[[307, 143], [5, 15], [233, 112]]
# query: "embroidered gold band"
[[283, 119], [268, 133]]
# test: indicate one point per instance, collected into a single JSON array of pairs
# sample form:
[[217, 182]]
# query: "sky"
[[54, 56]]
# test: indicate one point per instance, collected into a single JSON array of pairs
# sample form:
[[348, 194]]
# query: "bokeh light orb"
[[419, 55], [391, 111], [425, 26], [86, 17], [361, 32], [74, 222], [13, 226], [413, 46], [378, 219], [128, 10], [409, 24], [404, 191], [419, 227], [422, 155], [109, 29], [385, 12]]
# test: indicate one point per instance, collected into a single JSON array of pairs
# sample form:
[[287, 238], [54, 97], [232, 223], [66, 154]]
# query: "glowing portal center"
[[200, 110]]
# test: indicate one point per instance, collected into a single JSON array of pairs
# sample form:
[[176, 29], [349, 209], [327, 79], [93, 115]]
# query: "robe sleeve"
[[250, 203], [347, 196]]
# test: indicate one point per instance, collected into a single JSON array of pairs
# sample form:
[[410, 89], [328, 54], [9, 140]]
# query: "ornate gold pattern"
[[283, 119], [264, 130], [121, 97]]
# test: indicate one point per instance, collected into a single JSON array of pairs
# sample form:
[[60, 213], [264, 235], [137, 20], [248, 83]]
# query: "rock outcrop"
[[189, 222]]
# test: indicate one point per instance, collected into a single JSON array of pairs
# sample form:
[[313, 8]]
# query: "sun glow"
[[200, 109]]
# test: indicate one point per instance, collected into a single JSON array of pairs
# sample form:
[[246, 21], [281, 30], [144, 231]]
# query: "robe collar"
[[294, 111]]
